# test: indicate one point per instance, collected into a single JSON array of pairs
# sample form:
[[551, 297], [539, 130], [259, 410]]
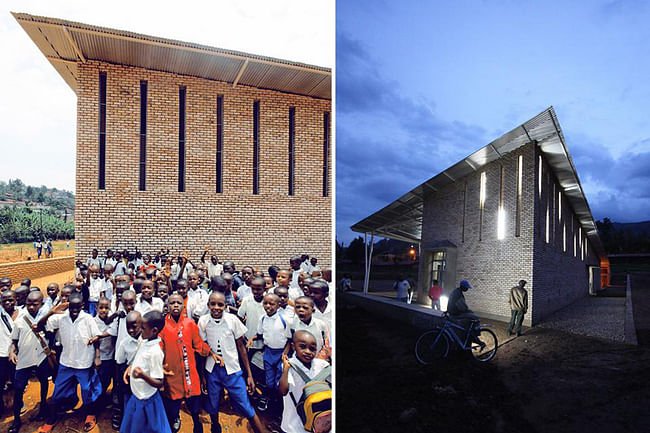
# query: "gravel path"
[[591, 316]]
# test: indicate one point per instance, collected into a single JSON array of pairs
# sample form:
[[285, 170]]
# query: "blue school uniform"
[[143, 416], [275, 333], [222, 335]]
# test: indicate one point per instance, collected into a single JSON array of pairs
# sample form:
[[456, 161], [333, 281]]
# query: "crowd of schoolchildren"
[[164, 331]]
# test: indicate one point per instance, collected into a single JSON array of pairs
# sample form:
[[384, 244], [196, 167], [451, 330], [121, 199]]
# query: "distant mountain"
[[624, 238], [636, 228]]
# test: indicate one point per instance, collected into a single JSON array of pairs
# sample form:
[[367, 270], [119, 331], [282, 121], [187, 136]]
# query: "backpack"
[[315, 405]]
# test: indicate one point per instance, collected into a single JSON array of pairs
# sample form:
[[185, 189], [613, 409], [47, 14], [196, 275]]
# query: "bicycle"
[[435, 344]]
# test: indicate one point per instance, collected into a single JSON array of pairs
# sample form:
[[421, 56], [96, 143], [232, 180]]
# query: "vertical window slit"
[[481, 205], [181, 138], [143, 136], [520, 183], [256, 146], [219, 167], [326, 151], [292, 128], [101, 181]]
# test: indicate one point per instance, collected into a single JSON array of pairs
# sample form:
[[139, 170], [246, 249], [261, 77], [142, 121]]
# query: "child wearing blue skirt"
[[144, 411]]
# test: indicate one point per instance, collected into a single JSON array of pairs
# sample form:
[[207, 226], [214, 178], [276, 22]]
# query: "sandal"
[[45, 428], [90, 423]]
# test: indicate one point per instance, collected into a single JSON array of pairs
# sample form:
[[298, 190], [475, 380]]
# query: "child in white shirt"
[[291, 383], [275, 332], [224, 333], [145, 411], [28, 354]]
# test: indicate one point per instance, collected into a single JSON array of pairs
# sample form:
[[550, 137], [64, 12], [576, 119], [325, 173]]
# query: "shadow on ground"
[[545, 381]]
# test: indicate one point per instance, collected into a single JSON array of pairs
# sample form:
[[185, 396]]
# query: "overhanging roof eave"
[[67, 41]]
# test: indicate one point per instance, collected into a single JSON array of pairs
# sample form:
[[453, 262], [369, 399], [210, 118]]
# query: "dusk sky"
[[421, 85]]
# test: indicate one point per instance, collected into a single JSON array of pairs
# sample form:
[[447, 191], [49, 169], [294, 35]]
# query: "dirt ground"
[[543, 381]]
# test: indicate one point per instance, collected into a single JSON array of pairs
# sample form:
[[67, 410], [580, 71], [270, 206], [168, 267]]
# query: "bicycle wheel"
[[431, 345], [486, 352]]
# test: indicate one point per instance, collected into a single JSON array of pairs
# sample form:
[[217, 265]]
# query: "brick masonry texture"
[[493, 266], [33, 269], [258, 230]]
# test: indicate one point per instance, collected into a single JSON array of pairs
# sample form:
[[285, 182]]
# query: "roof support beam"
[[470, 164], [527, 134], [75, 47], [495, 149], [60, 60], [240, 73], [449, 176]]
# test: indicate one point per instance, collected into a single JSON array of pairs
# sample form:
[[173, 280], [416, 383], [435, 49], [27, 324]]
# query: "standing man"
[[518, 306], [434, 294]]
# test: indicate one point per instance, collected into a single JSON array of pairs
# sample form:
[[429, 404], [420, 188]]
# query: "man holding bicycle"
[[460, 313]]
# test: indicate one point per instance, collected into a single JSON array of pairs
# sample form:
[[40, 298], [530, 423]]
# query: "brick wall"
[[491, 265], [257, 230], [33, 269], [559, 276]]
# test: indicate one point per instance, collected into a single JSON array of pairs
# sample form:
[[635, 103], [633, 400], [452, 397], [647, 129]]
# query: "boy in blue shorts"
[[79, 332], [224, 333], [28, 354], [274, 330]]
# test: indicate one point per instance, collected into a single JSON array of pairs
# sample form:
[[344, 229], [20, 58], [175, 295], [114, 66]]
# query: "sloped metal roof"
[[66, 44], [402, 219]]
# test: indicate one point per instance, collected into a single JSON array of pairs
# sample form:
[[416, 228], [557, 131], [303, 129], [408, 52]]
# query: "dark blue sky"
[[420, 85]]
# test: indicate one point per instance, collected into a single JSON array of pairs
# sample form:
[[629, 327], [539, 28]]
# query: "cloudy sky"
[[38, 110], [420, 85]]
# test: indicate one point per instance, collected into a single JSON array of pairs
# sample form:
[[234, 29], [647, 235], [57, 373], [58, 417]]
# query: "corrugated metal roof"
[[67, 43], [402, 219]]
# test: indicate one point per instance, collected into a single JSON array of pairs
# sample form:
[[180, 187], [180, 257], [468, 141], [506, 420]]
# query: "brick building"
[[512, 210], [184, 146]]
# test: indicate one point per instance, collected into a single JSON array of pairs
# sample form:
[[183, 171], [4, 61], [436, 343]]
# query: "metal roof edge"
[[179, 44]]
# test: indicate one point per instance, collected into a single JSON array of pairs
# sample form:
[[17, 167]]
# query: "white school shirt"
[[288, 313], [120, 268], [96, 261], [118, 329], [30, 351], [325, 316], [291, 422], [316, 327], [95, 288], [125, 351], [176, 269], [253, 311], [214, 269], [106, 348], [74, 338], [144, 307], [48, 303], [111, 262], [149, 357], [243, 291], [5, 332], [275, 332], [221, 335], [197, 302], [295, 292]]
